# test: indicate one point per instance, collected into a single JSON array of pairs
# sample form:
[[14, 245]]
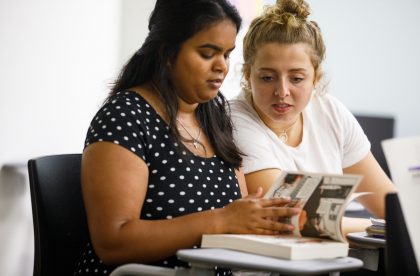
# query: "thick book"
[[322, 199]]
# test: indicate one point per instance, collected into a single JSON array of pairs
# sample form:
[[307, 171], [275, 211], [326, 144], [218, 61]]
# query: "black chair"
[[59, 218], [377, 128], [399, 253]]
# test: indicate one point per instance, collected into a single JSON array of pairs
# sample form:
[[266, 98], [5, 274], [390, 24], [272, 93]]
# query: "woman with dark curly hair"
[[159, 167]]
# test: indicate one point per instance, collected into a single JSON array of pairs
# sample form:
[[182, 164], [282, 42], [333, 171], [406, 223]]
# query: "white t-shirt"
[[332, 138]]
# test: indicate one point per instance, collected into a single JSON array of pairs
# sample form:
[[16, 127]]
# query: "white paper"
[[403, 158]]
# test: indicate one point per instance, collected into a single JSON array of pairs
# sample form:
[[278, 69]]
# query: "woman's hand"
[[303, 218], [256, 215]]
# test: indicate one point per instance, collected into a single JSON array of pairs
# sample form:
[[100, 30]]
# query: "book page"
[[322, 198]]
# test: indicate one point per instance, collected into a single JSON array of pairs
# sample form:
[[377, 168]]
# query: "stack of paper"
[[377, 229]]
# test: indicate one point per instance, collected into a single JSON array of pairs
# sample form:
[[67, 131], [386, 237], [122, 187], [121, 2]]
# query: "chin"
[[208, 97], [279, 118]]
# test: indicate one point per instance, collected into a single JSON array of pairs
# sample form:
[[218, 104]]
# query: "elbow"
[[118, 255], [121, 245], [110, 247], [118, 248], [109, 254]]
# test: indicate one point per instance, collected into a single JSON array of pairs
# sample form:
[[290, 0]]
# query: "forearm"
[[375, 181], [350, 225], [147, 241], [151, 240]]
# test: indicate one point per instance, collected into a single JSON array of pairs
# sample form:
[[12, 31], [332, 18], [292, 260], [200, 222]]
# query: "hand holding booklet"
[[322, 199]]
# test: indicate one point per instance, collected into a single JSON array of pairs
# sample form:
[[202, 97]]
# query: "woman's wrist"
[[216, 223]]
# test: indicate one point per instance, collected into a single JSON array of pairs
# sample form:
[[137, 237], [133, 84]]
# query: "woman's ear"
[[316, 79], [162, 55], [315, 84], [247, 75], [318, 76]]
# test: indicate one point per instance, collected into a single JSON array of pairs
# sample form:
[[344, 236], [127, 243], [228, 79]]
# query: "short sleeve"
[[356, 145], [120, 122]]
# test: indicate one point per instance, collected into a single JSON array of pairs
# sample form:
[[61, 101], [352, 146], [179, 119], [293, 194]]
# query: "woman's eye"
[[267, 78], [207, 55], [297, 79]]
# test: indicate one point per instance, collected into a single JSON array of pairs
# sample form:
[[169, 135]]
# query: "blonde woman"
[[285, 121]]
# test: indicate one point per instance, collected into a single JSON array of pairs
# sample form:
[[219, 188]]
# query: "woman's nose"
[[221, 64], [282, 90]]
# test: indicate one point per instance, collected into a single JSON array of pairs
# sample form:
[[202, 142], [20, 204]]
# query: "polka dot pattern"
[[179, 182]]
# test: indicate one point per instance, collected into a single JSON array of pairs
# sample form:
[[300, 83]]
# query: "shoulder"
[[252, 136], [239, 105], [242, 111], [329, 113], [327, 107], [326, 102], [128, 106], [125, 119], [128, 100], [121, 111]]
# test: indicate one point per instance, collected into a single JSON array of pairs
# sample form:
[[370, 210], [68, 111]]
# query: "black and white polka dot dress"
[[179, 182]]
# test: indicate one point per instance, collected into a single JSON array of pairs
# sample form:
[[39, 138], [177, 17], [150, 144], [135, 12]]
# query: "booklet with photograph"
[[322, 199]]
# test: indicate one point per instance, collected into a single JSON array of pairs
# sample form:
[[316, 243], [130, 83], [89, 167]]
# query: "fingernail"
[[296, 210], [285, 197]]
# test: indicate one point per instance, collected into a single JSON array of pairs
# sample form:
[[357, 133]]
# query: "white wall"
[[134, 26], [56, 59], [372, 59]]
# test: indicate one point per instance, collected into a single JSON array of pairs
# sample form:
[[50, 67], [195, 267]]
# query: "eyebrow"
[[265, 69], [214, 47], [298, 69], [273, 70]]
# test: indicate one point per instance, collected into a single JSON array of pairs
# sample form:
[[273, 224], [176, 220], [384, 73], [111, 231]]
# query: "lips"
[[282, 107], [215, 83]]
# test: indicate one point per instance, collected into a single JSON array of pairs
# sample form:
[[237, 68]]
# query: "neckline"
[[167, 125], [270, 132]]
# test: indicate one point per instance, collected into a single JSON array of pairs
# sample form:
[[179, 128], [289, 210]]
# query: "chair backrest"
[[377, 129], [59, 217], [399, 253]]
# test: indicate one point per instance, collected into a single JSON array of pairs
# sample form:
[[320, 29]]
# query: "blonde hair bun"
[[298, 8], [285, 22]]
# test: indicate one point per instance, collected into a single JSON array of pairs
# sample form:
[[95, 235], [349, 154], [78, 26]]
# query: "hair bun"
[[299, 8]]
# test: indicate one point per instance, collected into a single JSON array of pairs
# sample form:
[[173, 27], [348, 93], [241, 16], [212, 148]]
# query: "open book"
[[322, 199]]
